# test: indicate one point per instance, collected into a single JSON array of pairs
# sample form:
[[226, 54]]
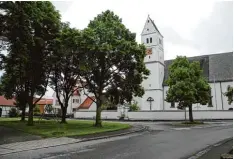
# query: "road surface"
[[157, 143]]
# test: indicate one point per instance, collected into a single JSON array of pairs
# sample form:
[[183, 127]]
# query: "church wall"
[[152, 81], [157, 104], [217, 90]]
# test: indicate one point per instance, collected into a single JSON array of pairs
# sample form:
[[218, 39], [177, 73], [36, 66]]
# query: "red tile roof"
[[5, 102], [87, 103], [45, 101]]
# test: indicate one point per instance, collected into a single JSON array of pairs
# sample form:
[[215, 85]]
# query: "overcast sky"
[[189, 27]]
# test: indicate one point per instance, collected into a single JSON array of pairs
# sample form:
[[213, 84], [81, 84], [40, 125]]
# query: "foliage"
[[49, 128], [36, 110], [114, 66], [30, 29], [13, 112], [134, 106], [229, 94], [66, 63], [186, 84]]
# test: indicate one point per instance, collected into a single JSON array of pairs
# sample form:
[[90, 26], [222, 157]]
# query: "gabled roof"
[[150, 23], [154, 25], [87, 103], [216, 67]]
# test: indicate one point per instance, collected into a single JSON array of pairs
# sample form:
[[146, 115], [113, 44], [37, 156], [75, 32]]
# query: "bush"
[[13, 112], [36, 110], [134, 106]]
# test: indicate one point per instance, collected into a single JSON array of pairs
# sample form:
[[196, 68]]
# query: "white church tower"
[[154, 61]]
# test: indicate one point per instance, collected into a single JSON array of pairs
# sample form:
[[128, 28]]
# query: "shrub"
[[134, 106], [13, 112], [36, 110]]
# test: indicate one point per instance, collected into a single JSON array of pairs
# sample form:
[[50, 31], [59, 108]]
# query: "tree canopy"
[[114, 61], [30, 29], [186, 84]]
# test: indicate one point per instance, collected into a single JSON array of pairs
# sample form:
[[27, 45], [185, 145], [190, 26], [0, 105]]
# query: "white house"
[[78, 101]]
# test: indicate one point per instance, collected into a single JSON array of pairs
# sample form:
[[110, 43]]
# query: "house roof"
[[45, 101], [218, 67], [7, 102], [87, 103]]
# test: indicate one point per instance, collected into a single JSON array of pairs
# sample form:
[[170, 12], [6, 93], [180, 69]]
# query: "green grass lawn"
[[51, 128]]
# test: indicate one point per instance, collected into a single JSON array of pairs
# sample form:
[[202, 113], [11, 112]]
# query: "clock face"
[[149, 51]]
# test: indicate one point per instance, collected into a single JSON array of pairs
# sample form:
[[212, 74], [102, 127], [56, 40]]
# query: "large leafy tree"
[[114, 61], [30, 29], [186, 84], [229, 94], [66, 65]]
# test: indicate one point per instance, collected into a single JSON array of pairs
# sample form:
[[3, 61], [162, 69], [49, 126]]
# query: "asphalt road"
[[172, 143]]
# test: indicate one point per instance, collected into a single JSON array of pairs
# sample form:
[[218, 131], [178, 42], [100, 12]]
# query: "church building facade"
[[217, 69]]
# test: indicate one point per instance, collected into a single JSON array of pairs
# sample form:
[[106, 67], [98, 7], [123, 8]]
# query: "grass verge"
[[51, 128]]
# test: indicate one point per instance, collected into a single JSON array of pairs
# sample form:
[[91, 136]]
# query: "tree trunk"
[[23, 114], [30, 115], [64, 113], [98, 122], [185, 118], [190, 113]]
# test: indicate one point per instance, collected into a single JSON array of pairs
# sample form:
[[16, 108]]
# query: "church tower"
[[154, 61]]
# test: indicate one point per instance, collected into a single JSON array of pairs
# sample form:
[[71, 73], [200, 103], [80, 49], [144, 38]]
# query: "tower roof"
[[154, 25], [150, 22]]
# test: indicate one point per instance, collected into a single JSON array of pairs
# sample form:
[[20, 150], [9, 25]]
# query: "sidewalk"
[[52, 142], [216, 151]]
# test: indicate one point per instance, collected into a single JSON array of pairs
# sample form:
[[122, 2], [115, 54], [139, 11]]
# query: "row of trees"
[[104, 58]]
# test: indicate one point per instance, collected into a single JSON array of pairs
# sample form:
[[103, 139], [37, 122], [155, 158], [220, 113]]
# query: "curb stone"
[[141, 129], [208, 148]]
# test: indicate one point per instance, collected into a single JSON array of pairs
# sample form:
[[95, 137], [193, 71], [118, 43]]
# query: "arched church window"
[[150, 40], [147, 40]]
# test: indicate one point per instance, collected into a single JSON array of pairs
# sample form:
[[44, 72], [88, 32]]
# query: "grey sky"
[[189, 27]]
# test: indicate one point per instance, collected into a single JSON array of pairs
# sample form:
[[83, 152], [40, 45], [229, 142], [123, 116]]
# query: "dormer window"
[[150, 40], [147, 40]]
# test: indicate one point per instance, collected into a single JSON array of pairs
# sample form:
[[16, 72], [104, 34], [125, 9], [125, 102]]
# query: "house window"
[[75, 100], [150, 40], [148, 21], [147, 40], [149, 57], [147, 29], [172, 104], [149, 85]]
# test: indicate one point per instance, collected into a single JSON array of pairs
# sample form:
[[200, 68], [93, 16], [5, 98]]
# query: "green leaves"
[[186, 83], [229, 94]]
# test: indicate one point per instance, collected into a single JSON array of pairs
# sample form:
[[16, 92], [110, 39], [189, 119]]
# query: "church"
[[217, 69]]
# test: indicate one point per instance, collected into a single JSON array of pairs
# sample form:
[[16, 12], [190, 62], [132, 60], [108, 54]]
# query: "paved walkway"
[[216, 151], [51, 142]]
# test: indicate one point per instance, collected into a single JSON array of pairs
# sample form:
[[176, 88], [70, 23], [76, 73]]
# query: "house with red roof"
[[6, 105], [77, 102]]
